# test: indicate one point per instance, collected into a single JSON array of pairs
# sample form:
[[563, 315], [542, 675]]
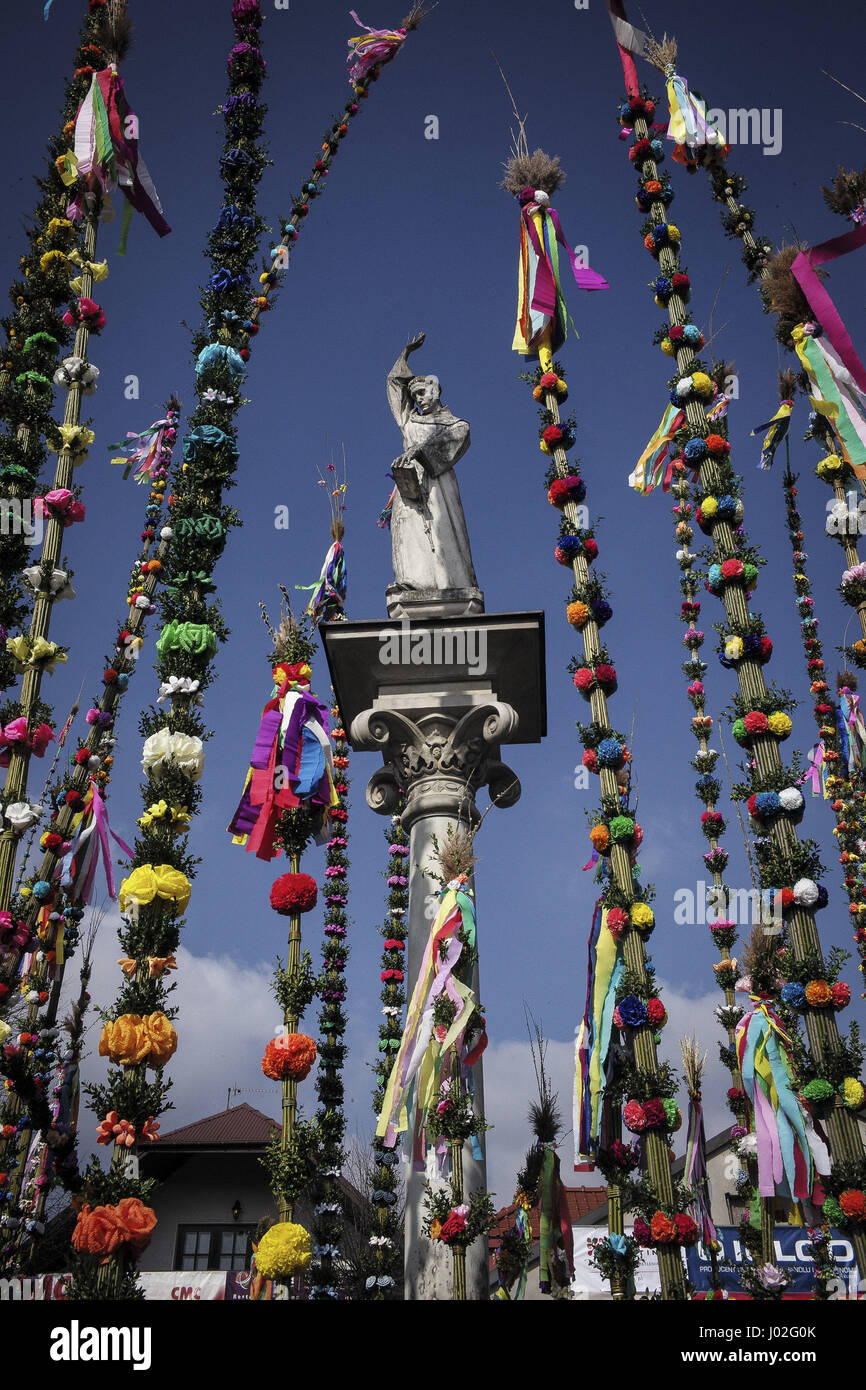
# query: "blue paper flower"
[[632, 1011], [692, 335], [695, 450], [609, 752], [768, 803], [794, 995]]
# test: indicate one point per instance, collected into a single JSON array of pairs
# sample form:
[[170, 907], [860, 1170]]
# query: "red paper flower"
[[590, 760], [841, 994], [633, 1116], [732, 569], [756, 723], [453, 1227], [655, 1012], [654, 1113], [590, 548], [584, 679], [294, 893], [617, 921], [687, 1230], [290, 1055]]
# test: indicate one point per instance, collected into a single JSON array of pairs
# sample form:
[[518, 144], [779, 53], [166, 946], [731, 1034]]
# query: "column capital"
[[438, 761]]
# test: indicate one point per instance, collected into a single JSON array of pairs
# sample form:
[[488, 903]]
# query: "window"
[[213, 1247]]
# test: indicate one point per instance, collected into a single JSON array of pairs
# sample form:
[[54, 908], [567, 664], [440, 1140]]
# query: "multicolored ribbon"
[[789, 1150], [106, 150], [629, 41], [688, 115], [372, 49], [822, 306], [542, 317], [650, 471], [413, 1085], [852, 730], [777, 429], [695, 1174], [816, 772], [836, 394], [329, 590], [78, 867], [291, 764], [141, 450], [605, 966]]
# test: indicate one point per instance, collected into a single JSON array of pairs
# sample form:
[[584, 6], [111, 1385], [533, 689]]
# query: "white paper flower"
[[57, 585], [176, 685], [805, 892], [166, 533], [22, 814], [684, 386], [791, 799], [747, 1145], [184, 750]]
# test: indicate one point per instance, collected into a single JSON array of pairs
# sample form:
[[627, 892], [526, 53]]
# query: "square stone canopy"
[[441, 663]]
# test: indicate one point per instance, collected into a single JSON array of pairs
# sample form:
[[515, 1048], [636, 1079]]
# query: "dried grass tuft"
[[846, 192], [536, 170], [113, 33], [693, 1064], [662, 55], [789, 383]]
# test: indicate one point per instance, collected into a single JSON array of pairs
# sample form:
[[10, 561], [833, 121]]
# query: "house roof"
[[241, 1125]]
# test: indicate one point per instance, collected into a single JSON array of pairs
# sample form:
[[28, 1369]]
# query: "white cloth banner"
[[588, 1283]]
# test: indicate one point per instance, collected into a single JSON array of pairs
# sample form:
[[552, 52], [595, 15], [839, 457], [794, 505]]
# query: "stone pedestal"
[[437, 698]]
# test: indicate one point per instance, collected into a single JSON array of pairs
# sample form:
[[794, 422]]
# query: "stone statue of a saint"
[[429, 541]]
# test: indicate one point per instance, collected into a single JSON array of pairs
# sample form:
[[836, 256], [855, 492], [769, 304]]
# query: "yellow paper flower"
[[162, 1038], [19, 648], [852, 1092], [77, 439], [52, 260], [124, 1041], [702, 384], [709, 506], [284, 1250], [779, 724], [641, 915], [151, 881], [734, 648], [829, 467]]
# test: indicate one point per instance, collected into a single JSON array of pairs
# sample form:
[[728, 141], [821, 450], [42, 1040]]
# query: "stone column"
[[439, 763], [438, 726]]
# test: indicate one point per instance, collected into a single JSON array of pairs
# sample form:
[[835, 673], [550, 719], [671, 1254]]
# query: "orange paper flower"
[[577, 613], [102, 1230], [600, 837], [818, 992], [662, 1229], [291, 1055]]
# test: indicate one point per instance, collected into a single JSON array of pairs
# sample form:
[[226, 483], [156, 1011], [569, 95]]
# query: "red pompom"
[[294, 893]]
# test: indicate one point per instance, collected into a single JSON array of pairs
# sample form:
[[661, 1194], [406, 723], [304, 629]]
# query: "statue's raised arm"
[[399, 377]]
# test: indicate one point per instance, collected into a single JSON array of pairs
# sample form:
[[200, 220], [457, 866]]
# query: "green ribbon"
[[190, 577], [197, 638], [208, 527]]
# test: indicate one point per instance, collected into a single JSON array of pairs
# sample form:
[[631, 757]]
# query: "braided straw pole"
[[28, 1111], [670, 1263], [756, 255], [847, 805], [382, 1259], [15, 787], [707, 788], [330, 1119], [821, 1029], [36, 338]]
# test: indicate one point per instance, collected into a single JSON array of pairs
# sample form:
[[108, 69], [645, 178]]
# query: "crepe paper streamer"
[[47, 10], [650, 469], [329, 590], [777, 429], [719, 408], [78, 867], [837, 395], [605, 967], [413, 1085], [629, 41], [852, 729], [543, 319], [695, 1174], [292, 737], [822, 306], [789, 1151], [816, 772], [542, 313], [688, 115], [370, 50], [386, 512], [556, 1249], [107, 154], [141, 450]]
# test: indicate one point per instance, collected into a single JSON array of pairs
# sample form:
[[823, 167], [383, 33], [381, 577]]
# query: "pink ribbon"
[[820, 302]]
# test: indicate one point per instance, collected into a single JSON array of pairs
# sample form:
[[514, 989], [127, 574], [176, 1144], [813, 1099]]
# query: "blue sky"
[[414, 233]]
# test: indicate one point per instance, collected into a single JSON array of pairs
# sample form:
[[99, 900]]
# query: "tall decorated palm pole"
[[105, 156], [761, 719], [623, 979]]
